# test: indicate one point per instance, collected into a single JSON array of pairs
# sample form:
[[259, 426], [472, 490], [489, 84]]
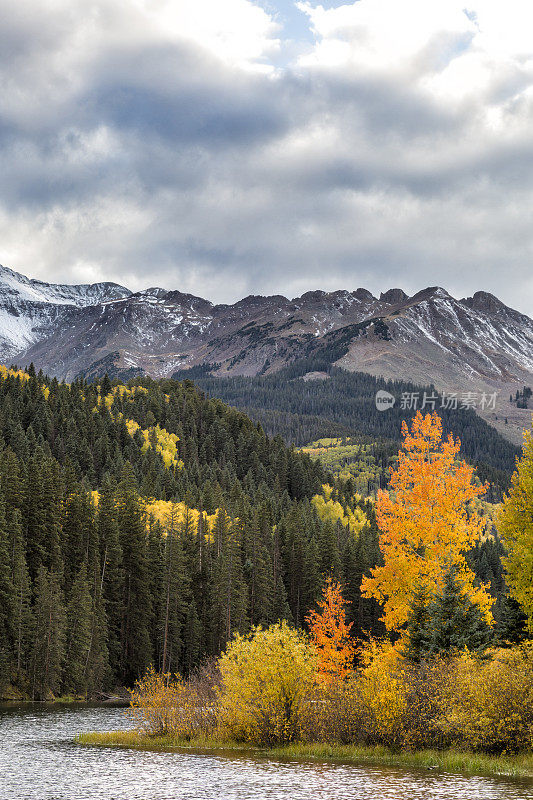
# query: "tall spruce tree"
[[78, 634], [6, 602], [136, 644], [111, 596], [48, 653], [448, 624]]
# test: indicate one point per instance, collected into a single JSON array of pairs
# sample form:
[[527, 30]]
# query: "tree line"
[[94, 587], [343, 404], [147, 524]]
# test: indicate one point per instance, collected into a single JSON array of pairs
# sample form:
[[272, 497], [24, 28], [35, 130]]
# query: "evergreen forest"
[[342, 404], [145, 524]]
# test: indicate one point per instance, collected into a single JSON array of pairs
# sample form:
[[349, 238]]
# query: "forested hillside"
[[343, 403], [146, 524]]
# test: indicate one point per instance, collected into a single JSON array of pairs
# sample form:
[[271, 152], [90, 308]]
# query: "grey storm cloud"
[[142, 158]]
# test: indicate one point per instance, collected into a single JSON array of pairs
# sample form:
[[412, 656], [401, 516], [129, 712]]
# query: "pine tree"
[[418, 626], [22, 617], [6, 601], [512, 625], [257, 568], [97, 667], [192, 639], [449, 623], [228, 589], [136, 649], [49, 637], [175, 589], [112, 573], [105, 387], [78, 634]]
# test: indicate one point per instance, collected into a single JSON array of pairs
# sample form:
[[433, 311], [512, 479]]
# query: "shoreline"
[[453, 761]]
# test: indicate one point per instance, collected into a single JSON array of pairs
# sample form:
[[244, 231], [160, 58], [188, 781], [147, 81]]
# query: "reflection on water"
[[38, 761]]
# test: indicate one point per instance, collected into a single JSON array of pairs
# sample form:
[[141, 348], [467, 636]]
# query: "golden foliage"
[[153, 702], [267, 677], [515, 522], [387, 701], [22, 376], [488, 703], [381, 691], [177, 513], [165, 443], [268, 696], [331, 510], [347, 458], [427, 523], [14, 373], [171, 513], [330, 636]]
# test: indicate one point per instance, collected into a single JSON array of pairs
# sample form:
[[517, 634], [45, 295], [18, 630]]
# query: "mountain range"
[[475, 344]]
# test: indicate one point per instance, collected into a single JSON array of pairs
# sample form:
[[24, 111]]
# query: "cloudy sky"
[[229, 147]]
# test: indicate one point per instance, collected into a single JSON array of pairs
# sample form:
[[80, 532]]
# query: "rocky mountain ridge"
[[473, 343]]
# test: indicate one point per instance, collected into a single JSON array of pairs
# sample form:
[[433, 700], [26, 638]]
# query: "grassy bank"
[[445, 760]]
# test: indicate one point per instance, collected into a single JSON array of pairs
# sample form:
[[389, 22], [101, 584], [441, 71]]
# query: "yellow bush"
[[488, 703], [154, 700], [267, 677], [382, 692]]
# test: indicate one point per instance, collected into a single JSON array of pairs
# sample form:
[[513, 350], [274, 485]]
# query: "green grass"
[[445, 760]]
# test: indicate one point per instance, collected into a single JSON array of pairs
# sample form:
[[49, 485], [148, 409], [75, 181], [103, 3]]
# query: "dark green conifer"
[[78, 634], [136, 644], [48, 651]]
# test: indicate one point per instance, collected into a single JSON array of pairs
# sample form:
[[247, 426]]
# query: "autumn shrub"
[[267, 678], [387, 701], [333, 713], [423, 691], [467, 701], [165, 705], [381, 694], [488, 702]]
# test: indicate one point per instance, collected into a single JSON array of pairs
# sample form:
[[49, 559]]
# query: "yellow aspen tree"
[[516, 525], [427, 522]]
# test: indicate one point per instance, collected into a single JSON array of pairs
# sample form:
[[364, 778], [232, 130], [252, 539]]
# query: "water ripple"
[[38, 761]]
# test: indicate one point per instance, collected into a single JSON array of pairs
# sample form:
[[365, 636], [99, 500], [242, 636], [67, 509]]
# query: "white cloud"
[[451, 49], [236, 31], [154, 141]]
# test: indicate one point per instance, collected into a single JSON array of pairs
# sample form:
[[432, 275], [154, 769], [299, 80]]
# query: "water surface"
[[39, 761]]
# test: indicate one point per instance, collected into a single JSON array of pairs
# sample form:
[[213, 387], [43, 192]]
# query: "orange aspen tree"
[[427, 523], [330, 635]]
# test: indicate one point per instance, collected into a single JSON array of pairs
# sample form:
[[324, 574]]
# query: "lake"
[[39, 761]]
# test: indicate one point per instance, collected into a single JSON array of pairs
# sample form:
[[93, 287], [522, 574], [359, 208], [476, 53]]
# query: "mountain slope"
[[475, 344], [343, 403], [31, 309]]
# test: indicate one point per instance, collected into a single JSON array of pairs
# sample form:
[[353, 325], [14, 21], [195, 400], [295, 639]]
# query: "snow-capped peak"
[[15, 286]]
